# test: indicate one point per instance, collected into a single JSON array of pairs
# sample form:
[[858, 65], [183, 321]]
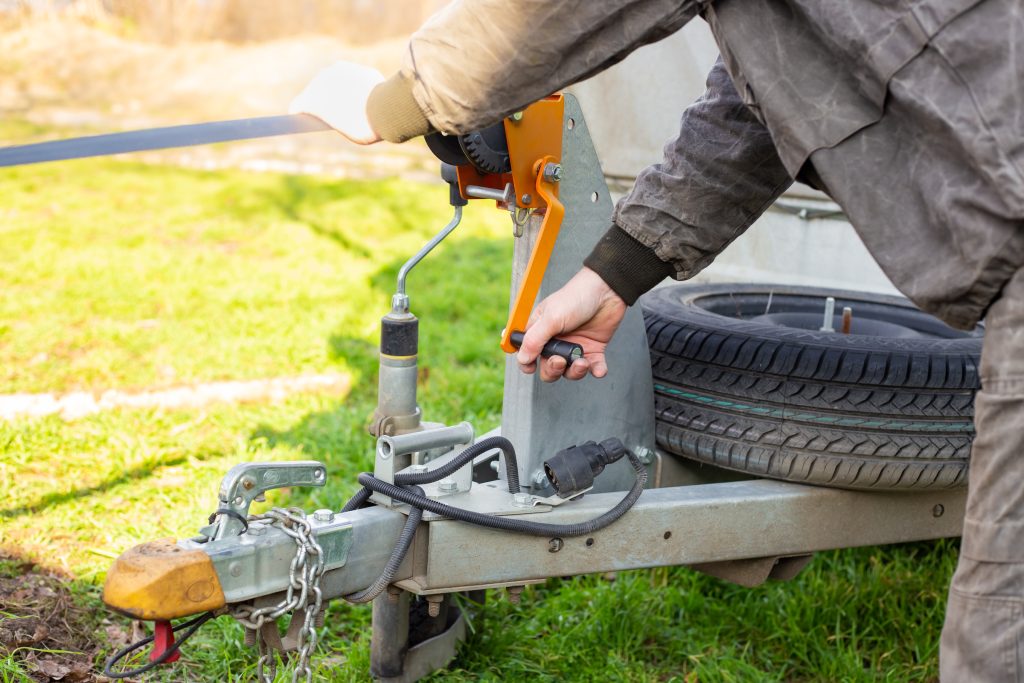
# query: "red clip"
[[163, 640]]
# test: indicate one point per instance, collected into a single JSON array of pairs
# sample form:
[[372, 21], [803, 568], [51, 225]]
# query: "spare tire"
[[745, 380]]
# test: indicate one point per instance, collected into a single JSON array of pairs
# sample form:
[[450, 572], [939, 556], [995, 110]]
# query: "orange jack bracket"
[[534, 138], [538, 264]]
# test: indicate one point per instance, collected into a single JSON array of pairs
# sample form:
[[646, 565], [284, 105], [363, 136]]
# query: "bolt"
[[540, 480], [555, 544], [394, 592], [238, 500], [518, 116], [323, 516], [447, 485], [645, 455], [830, 308], [553, 173], [434, 604], [847, 319], [515, 593], [522, 500], [248, 484], [400, 303], [527, 199], [250, 637], [257, 529], [416, 469], [235, 569], [938, 510]]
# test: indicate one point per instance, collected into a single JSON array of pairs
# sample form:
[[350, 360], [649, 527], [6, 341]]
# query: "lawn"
[[129, 276]]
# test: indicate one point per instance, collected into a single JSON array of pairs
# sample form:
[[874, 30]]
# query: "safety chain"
[[303, 594]]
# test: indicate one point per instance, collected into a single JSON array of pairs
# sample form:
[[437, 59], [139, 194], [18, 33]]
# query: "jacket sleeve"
[[718, 175], [477, 61]]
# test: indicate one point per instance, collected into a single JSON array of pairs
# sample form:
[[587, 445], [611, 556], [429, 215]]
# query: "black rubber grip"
[[568, 350], [399, 337]]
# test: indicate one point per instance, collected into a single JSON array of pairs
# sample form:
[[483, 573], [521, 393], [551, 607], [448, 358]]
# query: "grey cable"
[[397, 556], [453, 465], [512, 523]]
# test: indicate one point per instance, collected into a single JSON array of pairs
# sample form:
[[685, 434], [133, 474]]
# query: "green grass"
[[129, 276]]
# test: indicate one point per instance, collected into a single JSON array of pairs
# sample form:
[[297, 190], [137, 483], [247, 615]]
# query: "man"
[[910, 115]]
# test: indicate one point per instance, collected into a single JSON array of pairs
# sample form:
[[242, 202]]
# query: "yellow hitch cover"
[[159, 580]]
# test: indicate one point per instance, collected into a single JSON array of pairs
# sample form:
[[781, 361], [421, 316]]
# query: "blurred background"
[[80, 66]]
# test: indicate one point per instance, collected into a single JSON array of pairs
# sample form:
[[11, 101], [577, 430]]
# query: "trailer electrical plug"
[[572, 470]]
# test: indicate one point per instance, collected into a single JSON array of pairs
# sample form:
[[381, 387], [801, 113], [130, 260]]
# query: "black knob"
[[568, 350]]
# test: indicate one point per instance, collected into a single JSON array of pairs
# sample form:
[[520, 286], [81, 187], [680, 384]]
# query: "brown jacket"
[[911, 115]]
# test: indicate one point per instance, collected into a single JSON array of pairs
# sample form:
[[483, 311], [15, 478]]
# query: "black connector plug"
[[572, 470]]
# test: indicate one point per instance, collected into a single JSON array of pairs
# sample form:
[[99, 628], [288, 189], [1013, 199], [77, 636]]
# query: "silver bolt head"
[[645, 455], [522, 500], [540, 480], [323, 516], [527, 199], [518, 116], [416, 469], [553, 172], [447, 485]]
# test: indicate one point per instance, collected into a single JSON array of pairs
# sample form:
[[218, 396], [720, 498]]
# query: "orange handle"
[[538, 265]]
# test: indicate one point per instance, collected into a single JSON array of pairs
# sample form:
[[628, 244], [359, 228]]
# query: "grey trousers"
[[983, 637]]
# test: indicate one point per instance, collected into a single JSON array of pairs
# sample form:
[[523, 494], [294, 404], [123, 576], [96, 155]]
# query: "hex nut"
[[553, 172], [522, 500], [323, 515], [644, 454]]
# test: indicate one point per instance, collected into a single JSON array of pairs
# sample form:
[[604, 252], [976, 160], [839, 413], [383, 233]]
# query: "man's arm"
[[477, 61], [718, 175]]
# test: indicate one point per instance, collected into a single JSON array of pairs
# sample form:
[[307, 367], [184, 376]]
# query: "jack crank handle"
[[555, 347]]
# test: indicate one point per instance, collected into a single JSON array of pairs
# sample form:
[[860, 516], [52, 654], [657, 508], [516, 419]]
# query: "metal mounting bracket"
[[247, 482]]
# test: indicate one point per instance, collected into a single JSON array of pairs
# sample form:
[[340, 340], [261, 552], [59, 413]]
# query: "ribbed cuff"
[[628, 266], [393, 112]]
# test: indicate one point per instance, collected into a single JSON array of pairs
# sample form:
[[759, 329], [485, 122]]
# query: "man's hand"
[[337, 96], [585, 311]]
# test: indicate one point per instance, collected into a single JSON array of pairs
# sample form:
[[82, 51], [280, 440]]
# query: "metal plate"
[[541, 419], [688, 525]]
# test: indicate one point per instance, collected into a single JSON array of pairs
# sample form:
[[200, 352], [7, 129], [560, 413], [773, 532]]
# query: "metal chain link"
[[303, 594]]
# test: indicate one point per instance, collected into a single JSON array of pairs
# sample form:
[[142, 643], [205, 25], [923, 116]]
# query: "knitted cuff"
[[628, 266], [393, 112]]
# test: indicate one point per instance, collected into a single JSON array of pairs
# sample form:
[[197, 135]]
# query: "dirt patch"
[[49, 631]]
